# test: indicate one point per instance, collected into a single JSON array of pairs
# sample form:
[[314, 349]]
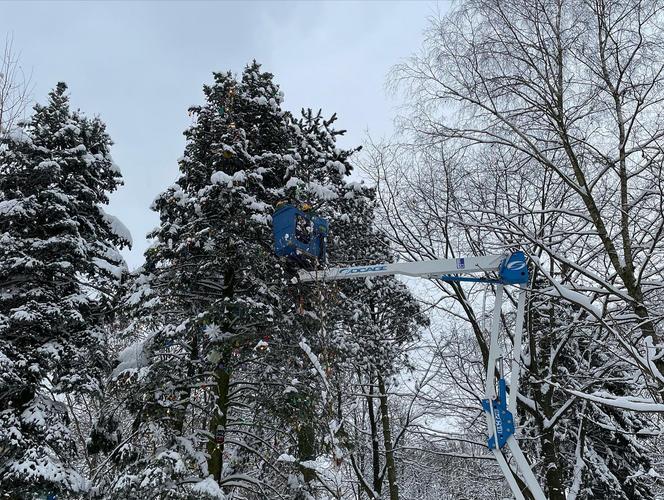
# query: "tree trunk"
[[541, 347], [554, 474], [185, 392], [215, 446], [375, 451], [387, 439], [306, 449], [222, 375]]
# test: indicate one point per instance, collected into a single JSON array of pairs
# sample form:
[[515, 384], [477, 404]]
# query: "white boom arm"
[[450, 268], [419, 269]]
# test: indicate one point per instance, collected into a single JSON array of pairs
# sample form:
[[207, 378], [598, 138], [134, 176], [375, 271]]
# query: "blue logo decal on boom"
[[365, 269], [461, 263]]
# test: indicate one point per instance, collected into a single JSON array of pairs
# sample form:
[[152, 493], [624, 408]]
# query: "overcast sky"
[[140, 65]]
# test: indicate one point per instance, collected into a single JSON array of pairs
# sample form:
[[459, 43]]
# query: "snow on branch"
[[559, 290], [314, 361], [116, 226], [131, 359], [208, 487], [623, 402]]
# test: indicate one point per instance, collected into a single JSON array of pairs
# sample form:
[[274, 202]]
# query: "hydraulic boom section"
[[509, 270]]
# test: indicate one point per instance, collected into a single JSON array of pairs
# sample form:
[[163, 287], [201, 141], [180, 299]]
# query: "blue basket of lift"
[[297, 232], [514, 269]]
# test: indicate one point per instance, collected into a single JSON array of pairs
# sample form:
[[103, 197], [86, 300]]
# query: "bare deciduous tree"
[[15, 86], [537, 124], [575, 89]]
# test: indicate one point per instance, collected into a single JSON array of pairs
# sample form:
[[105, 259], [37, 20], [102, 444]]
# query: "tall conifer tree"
[[59, 273], [236, 363], [213, 287]]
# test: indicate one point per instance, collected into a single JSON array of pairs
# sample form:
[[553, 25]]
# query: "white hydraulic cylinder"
[[419, 269]]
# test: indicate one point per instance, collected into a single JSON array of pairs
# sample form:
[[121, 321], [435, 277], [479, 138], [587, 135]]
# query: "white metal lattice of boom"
[[442, 269]]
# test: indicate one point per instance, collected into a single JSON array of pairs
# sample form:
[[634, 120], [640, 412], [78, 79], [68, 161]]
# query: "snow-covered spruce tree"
[[59, 272], [303, 402], [215, 305], [209, 292]]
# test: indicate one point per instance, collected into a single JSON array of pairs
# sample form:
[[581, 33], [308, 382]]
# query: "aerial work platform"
[[499, 404]]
